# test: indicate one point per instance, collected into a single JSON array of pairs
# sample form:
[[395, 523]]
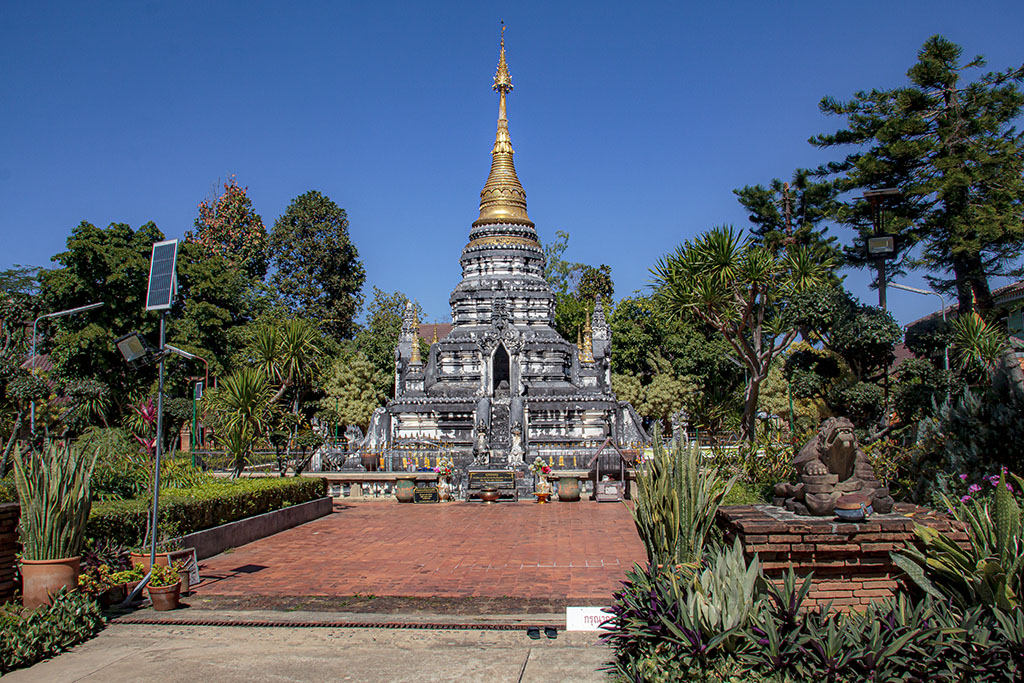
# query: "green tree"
[[21, 279], [17, 386], [109, 265], [354, 390], [791, 213], [558, 271], [317, 269], [858, 342], [644, 337], [227, 225], [379, 337], [216, 300], [743, 290], [952, 150]]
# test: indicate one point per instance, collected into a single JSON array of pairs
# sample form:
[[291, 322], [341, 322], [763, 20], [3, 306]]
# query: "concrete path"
[[208, 654]]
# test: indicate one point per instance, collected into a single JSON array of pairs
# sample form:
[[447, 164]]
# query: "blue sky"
[[632, 122]]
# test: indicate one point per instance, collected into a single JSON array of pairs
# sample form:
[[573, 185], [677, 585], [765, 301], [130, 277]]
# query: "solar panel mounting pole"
[[159, 441], [159, 297]]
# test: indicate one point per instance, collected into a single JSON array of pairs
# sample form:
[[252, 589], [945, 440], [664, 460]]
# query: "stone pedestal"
[[850, 561]]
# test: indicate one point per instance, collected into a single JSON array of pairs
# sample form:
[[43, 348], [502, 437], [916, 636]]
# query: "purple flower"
[[964, 499], [973, 488], [1009, 488], [963, 477]]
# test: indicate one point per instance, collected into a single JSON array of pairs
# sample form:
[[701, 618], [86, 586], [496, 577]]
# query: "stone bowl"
[[853, 508]]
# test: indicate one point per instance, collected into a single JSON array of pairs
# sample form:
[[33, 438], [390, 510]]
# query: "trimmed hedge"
[[26, 638], [183, 511]]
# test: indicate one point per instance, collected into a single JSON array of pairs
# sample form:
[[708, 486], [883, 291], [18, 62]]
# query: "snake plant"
[[53, 486], [678, 496]]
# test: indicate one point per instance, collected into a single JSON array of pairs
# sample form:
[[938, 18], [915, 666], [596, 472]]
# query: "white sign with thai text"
[[585, 618]]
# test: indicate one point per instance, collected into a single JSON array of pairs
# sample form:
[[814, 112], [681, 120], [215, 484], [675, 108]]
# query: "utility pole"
[[32, 355]]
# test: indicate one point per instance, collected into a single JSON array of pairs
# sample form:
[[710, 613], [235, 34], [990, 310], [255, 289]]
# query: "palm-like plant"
[[741, 289], [242, 404], [978, 346], [287, 353]]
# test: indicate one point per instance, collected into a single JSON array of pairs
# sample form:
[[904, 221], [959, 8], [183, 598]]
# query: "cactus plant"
[[990, 571], [53, 487]]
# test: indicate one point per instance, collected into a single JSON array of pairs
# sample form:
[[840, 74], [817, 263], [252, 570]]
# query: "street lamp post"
[[915, 290], [32, 356]]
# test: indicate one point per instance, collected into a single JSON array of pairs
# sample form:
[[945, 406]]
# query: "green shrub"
[[684, 620], [216, 502], [990, 571], [25, 639], [8, 491]]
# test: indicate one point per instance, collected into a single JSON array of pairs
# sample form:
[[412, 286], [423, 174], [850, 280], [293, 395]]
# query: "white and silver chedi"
[[503, 382]]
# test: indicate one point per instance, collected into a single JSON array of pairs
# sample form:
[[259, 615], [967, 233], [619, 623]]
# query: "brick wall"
[[851, 562], [8, 547]]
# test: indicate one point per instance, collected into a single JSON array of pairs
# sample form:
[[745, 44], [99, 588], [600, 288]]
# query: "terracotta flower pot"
[[113, 595], [40, 579], [165, 597], [143, 560]]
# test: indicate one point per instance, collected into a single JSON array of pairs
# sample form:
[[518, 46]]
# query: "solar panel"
[[162, 280]]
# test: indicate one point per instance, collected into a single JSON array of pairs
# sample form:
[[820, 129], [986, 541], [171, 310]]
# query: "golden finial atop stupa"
[[503, 199], [434, 339]]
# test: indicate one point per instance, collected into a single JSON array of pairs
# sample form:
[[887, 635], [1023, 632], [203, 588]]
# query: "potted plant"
[[53, 487], [129, 578], [444, 468], [541, 470], [165, 587], [99, 583]]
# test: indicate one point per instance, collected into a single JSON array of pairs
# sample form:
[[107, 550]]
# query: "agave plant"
[[53, 487], [678, 497], [990, 571]]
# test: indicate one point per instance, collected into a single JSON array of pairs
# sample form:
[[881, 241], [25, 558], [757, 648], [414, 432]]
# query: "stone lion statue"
[[831, 465]]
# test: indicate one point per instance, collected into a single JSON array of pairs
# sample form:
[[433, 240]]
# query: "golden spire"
[[503, 199], [588, 341], [414, 358], [434, 340], [579, 343]]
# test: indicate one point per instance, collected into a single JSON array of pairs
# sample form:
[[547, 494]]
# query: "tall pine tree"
[[951, 149]]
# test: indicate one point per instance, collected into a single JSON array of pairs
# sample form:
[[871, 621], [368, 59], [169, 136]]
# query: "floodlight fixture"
[[163, 281], [883, 246], [136, 351]]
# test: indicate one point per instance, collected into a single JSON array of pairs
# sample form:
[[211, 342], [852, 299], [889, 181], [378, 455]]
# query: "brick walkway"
[[560, 551]]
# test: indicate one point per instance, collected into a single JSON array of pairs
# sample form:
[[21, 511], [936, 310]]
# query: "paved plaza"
[[559, 552]]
